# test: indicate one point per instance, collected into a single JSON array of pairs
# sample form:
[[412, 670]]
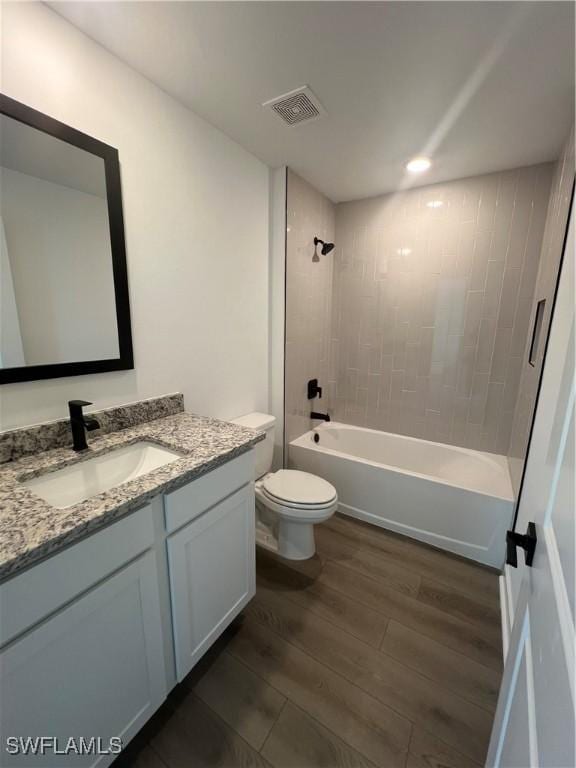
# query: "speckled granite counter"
[[30, 529]]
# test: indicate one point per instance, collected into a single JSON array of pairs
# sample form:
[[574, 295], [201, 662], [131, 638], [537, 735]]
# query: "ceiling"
[[479, 86]]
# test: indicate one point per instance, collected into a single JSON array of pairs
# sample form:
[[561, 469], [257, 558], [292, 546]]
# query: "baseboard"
[[504, 615]]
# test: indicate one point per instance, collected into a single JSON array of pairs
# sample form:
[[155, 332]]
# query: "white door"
[[93, 670], [534, 722], [212, 563]]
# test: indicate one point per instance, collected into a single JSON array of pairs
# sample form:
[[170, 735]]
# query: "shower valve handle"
[[313, 389]]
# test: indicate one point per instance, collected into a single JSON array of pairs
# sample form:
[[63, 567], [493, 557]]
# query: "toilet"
[[289, 503]]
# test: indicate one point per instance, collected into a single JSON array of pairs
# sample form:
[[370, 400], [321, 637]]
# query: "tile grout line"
[[359, 550], [338, 674], [387, 655], [457, 618], [149, 745], [430, 584], [409, 749], [242, 663], [444, 743], [368, 693], [320, 616], [226, 725], [432, 639], [358, 547], [282, 708], [432, 679], [337, 735]]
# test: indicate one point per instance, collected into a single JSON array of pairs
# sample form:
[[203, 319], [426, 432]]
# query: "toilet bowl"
[[289, 503], [299, 501]]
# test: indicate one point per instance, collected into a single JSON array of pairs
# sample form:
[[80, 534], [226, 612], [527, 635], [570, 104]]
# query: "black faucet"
[[80, 423], [322, 416]]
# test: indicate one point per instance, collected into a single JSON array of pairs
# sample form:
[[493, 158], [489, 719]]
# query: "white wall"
[[61, 263], [196, 215], [277, 305]]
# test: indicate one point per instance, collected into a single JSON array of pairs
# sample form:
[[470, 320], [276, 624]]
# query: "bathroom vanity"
[[114, 599]]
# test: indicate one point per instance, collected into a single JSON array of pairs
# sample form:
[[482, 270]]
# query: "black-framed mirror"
[[64, 306]]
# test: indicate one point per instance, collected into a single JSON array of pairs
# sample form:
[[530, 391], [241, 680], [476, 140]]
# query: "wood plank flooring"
[[378, 652]]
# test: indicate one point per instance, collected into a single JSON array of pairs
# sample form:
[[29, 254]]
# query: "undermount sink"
[[78, 482]]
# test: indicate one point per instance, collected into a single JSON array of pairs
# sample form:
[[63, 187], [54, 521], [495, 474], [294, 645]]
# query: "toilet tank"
[[263, 422]]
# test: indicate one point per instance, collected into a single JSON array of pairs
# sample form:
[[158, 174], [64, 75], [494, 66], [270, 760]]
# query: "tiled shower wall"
[[432, 292], [308, 300], [556, 222]]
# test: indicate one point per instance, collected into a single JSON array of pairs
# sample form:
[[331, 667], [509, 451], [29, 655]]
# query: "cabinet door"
[[212, 565], [95, 669]]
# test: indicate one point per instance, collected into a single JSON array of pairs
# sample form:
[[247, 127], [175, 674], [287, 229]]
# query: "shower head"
[[326, 247]]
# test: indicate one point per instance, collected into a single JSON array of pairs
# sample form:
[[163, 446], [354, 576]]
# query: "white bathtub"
[[454, 498]]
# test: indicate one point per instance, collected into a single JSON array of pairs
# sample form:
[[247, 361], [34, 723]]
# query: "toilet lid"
[[301, 488]]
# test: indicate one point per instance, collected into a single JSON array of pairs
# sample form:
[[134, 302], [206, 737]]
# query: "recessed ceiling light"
[[435, 204], [418, 165], [404, 251]]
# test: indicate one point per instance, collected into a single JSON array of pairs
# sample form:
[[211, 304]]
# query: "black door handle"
[[527, 541]]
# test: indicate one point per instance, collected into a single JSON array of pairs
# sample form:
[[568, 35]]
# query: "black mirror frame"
[[125, 361]]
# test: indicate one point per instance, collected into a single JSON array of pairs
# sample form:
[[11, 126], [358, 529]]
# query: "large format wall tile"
[[432, 290], [525, 376], [308, 301]]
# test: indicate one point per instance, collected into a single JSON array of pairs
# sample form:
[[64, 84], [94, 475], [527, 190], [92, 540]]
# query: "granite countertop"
[[31, 529]]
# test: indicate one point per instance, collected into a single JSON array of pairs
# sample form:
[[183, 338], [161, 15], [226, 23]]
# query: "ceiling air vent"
[[297, 106]]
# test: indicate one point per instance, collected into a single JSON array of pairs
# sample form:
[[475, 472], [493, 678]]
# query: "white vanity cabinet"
[[211, 556], [93, 638], [212, 575], [93, 668]]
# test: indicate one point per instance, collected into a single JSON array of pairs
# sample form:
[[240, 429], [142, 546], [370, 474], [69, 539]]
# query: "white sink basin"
[[70, 485]]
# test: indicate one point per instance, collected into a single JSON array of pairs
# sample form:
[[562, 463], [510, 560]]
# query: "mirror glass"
[[57, 297]]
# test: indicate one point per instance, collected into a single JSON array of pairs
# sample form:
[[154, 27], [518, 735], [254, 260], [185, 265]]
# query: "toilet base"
[[288, 531], [296, 540], [292, 540], [265, 537]]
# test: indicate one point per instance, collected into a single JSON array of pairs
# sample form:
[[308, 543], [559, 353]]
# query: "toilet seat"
[[297, 496], [298, 514], [288, 505], [298, 490]]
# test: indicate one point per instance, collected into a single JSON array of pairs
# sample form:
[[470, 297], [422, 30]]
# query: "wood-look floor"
[[380, 651]]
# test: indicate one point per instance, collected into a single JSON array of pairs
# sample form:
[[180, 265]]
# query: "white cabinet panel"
[[34, 594], [193, 499], [212, 575], [94, 669]]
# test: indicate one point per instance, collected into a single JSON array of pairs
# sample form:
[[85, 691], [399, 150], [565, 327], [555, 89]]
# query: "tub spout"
[[322, 416]]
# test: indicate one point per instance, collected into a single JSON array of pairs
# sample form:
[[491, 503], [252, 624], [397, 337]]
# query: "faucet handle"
[[79, 403]]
